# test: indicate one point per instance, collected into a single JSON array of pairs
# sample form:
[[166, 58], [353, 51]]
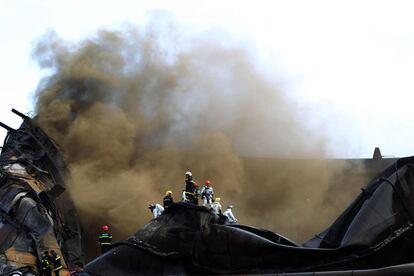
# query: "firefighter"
[[156, 210], [56, 262], [168, 200], [216, 206], [105, 239], [207, 193], [46, 264], [191, 189], [229, 214]]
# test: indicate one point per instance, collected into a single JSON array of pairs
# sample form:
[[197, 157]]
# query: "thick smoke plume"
[[134, 109]]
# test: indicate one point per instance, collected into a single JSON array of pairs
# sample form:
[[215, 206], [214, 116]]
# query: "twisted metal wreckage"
[[373, 236], [35, 213]]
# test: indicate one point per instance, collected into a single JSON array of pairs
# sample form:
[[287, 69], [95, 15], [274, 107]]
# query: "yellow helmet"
[[217, 199], [168, 193]]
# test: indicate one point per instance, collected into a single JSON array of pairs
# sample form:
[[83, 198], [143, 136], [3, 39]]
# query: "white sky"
[[350, 63]]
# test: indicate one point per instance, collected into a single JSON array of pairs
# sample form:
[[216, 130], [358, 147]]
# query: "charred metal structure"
[[373, 236], [35, 212]]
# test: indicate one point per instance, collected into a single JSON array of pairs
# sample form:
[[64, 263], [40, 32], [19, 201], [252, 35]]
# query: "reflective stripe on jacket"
[[57, 263], [105, 239], [45, 264]]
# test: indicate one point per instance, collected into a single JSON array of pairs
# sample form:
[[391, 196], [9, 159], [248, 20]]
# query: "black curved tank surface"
[[373, 236]]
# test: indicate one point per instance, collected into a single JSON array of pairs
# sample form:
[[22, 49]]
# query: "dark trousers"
[[191, 198], [105, 248], [57, 272], [46, 273]]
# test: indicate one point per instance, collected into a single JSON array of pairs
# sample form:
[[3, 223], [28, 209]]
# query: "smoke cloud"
[[133, 109]]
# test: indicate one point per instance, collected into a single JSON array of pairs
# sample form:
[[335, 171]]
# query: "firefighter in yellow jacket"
[[56, 262], [46, 264]]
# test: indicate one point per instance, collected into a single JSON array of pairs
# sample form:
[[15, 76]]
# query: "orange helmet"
[[208, 183], [105, 227]]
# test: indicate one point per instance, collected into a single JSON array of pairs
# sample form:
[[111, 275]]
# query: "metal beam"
[[20, 114], [6, 127]]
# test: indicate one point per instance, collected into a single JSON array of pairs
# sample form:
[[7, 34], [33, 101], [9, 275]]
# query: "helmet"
[[168, 193], [151, 206], [230, 207], [217, 199], [188, 173], [208, 183], [105, 228]]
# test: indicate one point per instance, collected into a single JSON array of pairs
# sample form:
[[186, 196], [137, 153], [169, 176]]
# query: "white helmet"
[[230, 207], [188, 173]]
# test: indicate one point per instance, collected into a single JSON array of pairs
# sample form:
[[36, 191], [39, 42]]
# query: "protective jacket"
[[168, 201], [190, 186], [229, 214], [157, 210], [57, 262], [105, 238], [191, 192], [216, 207], [46, 263], [207, 194]]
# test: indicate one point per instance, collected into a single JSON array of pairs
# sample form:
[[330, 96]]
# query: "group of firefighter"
[[191, 194], [51, 263]]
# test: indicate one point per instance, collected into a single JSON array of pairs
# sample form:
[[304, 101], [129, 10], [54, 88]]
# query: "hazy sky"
[[348, 63]]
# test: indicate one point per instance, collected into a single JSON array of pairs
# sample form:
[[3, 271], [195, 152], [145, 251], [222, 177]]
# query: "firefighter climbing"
[[156, 210], [229, 214], [216, 206]]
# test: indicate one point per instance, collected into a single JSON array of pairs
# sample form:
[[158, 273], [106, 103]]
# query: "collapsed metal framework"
[[35, 212]]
